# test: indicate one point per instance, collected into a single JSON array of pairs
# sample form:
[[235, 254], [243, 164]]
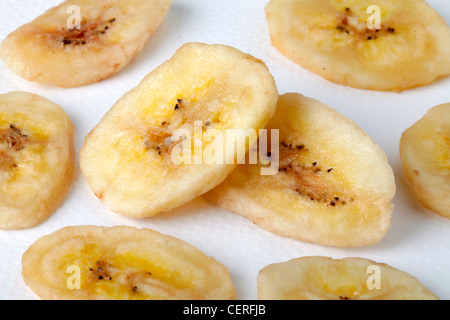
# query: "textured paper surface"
[[418, 241]]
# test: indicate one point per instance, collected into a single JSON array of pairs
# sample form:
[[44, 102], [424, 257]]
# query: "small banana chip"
[[135, 160], [122, 263], [320, 278], [333, 187], [37, 159], [386, 45], [82, 41], [425, 153]]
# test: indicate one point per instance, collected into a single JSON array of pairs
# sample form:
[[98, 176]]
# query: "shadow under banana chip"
[[122, 263], [334, 185]]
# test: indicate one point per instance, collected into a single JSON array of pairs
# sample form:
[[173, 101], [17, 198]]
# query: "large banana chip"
[[37, 159], [425, 153], [388, 45], [320, 278], [82, 41], [122, 263], [145, 155], [334, 185]]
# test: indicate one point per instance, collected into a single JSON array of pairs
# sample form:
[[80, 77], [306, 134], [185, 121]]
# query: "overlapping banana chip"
[[333, 187], [135, 160]]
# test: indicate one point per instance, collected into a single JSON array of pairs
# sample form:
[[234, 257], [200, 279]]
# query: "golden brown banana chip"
[[37, 159], [122, 263], [334, 185], [320, 278], [425, 153], [82, 41], [388, 45], [130, 159]]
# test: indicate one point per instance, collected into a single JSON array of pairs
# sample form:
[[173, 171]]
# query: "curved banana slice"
[[135, 158], [425, 153], [122, 263], [66, 50], [37, 159], [320, 278], [334, 185], [341, 41]]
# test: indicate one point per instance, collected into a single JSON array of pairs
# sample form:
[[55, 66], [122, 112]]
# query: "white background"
[[418, 241]]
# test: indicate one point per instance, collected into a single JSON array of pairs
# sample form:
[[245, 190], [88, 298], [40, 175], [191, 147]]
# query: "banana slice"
[[334, 185], [122, 263], [320, 278], [82, 41], [37, 159], [386, 45], [135, 158], [425, 153]]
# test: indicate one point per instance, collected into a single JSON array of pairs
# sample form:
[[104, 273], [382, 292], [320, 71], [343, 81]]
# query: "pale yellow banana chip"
[[320, 278], [334, 185], [37, 159], [122, 263], [130, 159], [82, 41], [425, 153], [387, 45]]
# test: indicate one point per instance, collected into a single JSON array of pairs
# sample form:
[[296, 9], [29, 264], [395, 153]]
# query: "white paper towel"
[[418, 241]]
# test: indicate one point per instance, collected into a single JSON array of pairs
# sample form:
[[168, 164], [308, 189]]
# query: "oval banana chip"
[[333, 185], [146, 155], [321, 278], [122, 263], [386, 45], [425, 153], [37, 159], [82, 41]]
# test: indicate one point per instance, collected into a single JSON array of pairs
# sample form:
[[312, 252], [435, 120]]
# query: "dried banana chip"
[[37, 159], [388, 45], [131, 158], [333, 187], [121, 263], [82, 41], [320, 278], [425, 153]]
